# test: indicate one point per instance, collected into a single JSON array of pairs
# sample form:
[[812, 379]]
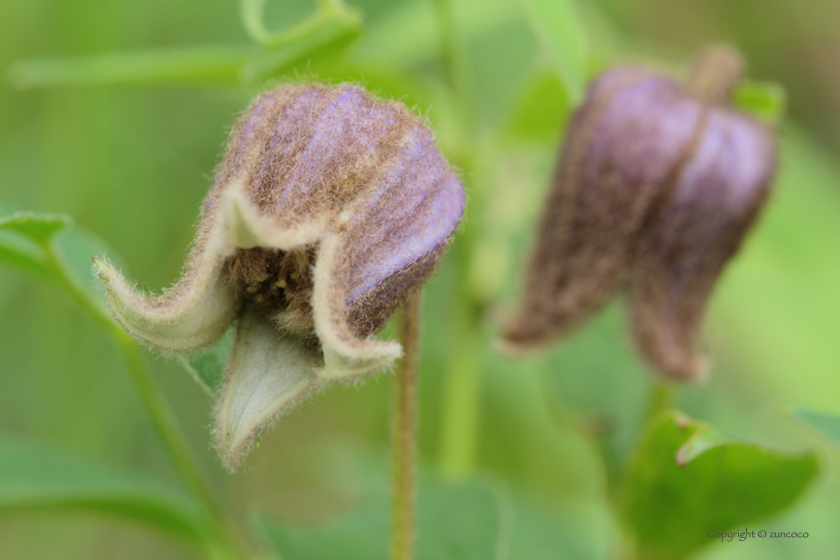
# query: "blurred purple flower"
[[656, 186]]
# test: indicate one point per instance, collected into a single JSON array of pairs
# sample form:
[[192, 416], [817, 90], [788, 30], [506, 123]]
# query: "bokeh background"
[[132, 164]]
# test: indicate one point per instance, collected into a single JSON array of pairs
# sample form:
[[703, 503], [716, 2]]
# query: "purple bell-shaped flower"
[[330, 208]]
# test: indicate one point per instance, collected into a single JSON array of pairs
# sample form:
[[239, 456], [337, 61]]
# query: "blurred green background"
[[133, 163]]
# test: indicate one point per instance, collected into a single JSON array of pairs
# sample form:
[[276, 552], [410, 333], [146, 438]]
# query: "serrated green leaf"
[[560, 32], [208, 368], [36, 478], [670, 506], [827, 425], [765, 100], [454, 522]]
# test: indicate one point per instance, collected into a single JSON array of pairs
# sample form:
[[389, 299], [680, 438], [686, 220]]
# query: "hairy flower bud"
[[329, 209], [656, 186]]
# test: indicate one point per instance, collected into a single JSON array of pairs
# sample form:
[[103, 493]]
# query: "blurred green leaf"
[[540, 111], [406, 34], [686, 481], [594, 377], [37, 478], [208, 368], [6, 210], [19, 252], [38, 227], [766, 100], [454, 522], [777, 307], [827, 425], [559, 30]]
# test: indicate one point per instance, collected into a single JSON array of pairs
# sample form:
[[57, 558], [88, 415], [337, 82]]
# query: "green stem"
[[448, 49], [404, 437], [329, 12], [163, 419], [196, 65], [660, 399], [166, 425], [460, 413], [459, 437]]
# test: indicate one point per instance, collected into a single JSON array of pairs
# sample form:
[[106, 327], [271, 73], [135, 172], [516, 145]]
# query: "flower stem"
[[461, 399], [166, 424], [459, 435], [660, 399], [404, 437], [448, 51]]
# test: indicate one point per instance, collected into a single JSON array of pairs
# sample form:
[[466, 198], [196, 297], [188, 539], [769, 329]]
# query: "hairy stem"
[[404, 437]]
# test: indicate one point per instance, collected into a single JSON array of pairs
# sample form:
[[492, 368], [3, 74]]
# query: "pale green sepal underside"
[[269, 372]]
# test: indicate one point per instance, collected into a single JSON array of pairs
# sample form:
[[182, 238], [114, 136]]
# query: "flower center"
[[277, 283]]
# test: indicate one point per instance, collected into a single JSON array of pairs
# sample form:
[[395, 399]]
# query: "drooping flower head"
[[329, 209], [656, 186]]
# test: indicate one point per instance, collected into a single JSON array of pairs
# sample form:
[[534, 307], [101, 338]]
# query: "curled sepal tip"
[[191, 315]]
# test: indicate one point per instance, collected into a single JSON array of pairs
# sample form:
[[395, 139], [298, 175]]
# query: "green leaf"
[[49, 245], [540, 112], [407, 33], [208, 368], [766, 100], [5, 209], [36, 226], [74, 249], [686, 481], [827, 425], [19, 252], [469, 520], [454, 522], [557, 27], [37, 478], [24, 238]]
